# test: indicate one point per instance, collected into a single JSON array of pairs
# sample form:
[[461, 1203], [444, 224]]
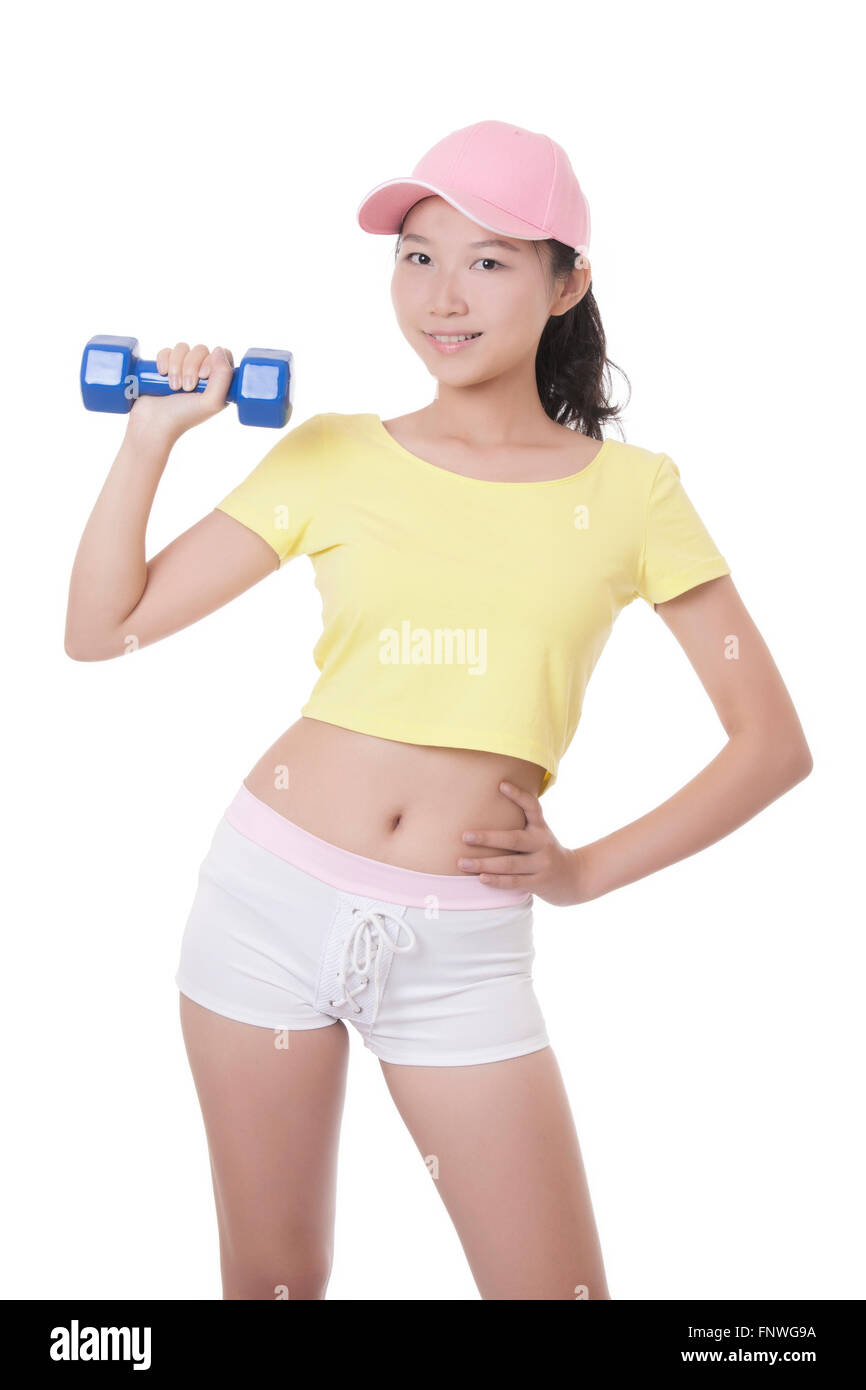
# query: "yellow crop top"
[[460, 612]]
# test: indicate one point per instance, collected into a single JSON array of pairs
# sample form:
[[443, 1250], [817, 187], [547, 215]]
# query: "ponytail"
[[572, 369]]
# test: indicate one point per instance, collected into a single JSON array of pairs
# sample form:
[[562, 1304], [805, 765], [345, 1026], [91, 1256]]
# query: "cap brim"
[[385, 206]]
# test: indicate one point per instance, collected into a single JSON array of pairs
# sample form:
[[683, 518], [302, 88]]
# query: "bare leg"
[[501, 1138], [272, 1118]]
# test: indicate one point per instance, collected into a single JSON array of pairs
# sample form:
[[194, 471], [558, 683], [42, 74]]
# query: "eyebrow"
[[506, 245]]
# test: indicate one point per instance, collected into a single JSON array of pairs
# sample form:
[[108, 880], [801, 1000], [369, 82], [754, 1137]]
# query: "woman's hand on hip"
[[532, 858]]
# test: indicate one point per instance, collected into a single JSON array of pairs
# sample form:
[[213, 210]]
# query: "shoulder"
[[327, 424], [323, 434], [636, 457], [633, 469], [331, 444], [348, 428], [340, 420]]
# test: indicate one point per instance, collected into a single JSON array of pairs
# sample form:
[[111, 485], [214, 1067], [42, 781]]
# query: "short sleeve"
[[278, 499], [678, 551]]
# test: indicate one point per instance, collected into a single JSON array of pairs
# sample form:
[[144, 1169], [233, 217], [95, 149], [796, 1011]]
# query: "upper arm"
[[266, 519], [199, 571], [735, 667], [686, 579]]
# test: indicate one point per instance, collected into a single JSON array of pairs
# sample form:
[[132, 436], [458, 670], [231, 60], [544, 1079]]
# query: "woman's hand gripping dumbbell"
[[184, 366]]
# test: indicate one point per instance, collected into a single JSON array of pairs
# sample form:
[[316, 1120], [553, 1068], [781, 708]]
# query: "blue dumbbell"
[[113, 376]]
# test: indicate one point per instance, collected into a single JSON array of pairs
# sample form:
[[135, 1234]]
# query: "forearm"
[[110, 569], [748, 774]]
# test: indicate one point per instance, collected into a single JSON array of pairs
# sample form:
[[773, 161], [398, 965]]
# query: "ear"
[[575, 287]]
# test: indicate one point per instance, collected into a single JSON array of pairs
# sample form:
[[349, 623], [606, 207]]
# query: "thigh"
[[272, 1103], [501, 1145]]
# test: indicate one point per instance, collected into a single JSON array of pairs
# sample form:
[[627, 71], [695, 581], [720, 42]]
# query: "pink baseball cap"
[[513, 181]]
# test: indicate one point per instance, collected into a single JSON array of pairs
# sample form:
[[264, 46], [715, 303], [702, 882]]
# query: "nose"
[[447, 299]]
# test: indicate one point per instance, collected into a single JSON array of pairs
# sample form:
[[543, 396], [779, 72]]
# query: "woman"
[[472, 557]]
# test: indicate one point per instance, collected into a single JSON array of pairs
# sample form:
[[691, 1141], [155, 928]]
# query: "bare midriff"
[[401, 803]]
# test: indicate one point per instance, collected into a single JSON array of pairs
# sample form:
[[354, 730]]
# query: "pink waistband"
[[355, 873]]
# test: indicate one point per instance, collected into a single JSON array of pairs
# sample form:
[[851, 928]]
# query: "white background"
[[193, 172]]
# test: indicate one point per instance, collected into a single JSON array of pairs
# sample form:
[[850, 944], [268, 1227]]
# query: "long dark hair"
[[572, 368]]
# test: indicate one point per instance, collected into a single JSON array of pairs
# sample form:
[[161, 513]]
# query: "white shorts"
[[289, 931]]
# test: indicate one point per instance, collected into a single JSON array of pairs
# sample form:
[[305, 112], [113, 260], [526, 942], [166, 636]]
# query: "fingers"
[[175, 364], [495, 839], [528, 803], [218, 366], [186, 366], [501, 864], [191, 368]]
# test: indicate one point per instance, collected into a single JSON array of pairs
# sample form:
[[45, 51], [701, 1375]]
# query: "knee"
[[277, 1275]]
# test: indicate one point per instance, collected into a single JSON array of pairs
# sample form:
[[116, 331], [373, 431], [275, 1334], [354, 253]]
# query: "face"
[[445, 284]]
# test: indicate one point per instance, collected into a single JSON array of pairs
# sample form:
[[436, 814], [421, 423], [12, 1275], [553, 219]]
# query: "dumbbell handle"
[[151, 383]]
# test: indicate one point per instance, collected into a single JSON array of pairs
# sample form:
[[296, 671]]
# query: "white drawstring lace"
[[372, 934]]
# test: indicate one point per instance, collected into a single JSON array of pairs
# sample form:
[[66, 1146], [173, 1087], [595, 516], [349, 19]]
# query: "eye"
[[489, 259]]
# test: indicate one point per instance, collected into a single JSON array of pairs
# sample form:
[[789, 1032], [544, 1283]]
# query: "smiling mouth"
[[451, 337]]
